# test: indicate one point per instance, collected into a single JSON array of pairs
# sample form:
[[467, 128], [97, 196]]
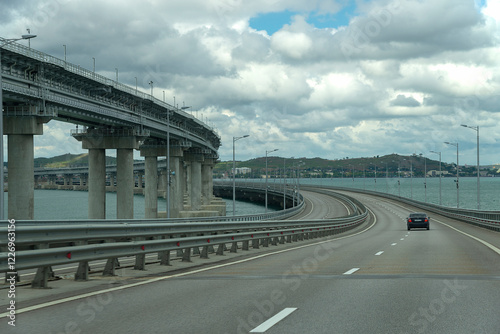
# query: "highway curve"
[[380, 279]]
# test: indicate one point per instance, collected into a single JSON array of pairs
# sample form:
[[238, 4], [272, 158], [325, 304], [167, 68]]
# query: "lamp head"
[[29, 36]]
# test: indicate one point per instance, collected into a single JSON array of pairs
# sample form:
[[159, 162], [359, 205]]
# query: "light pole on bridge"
[[476, 128], [440, 174], [5, 42], [266, 172], [456, 145], [234, 171]]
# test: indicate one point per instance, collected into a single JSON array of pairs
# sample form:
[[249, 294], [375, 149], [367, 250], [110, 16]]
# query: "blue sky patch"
[[272, 22]]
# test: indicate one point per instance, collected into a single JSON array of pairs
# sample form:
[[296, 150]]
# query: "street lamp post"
[[456, 145], [440, 175], [425, 178], [234, 172], [399, 178], [4, 42], [476, 128], [284, 183], [411, 179], [266, 172]]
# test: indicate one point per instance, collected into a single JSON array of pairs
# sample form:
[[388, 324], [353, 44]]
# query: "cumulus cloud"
[[405, 101], [351, 90]]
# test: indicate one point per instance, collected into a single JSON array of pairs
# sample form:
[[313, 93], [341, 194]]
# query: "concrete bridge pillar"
[[206, 181], [97, 183], [195, 160], [177, 183], [97, 141], [112, 179], [139, 179], [151, 153], [151, 187], [83, 179], [187, 179], [20, 131], [162, 183], [21, 182], [68, 180], [125, 183]]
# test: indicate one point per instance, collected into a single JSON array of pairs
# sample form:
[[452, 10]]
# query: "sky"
[[317, 78]]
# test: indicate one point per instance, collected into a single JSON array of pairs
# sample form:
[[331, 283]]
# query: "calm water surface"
[[65, 204]]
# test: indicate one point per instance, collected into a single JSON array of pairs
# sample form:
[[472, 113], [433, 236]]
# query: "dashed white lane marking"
[[402, 239], [394, 244], [379, 253], [273, 321], [349, 272]]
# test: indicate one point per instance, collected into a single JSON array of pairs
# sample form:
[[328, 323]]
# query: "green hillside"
[[68, 160]]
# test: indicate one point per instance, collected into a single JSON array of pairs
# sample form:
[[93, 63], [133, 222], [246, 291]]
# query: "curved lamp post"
[[476, 128], [234, 171], [456, 145], [440, 175], [266, 172], [4, 42]]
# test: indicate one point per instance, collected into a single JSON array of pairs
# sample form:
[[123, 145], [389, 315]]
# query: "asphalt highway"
[[379, 278]]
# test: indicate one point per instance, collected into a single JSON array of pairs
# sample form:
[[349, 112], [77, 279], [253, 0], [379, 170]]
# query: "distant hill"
[[318, 167], [68, 160], [309, 167]]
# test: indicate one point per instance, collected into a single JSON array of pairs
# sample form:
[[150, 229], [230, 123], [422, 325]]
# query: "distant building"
[[243, 170], [436, 173]]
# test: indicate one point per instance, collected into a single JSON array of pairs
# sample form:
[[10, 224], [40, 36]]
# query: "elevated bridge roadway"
[[38, 88]]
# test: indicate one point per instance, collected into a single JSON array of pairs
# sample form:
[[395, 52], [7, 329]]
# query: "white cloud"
[[361, 90]]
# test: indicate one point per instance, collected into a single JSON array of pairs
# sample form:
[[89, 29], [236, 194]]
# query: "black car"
[[418, 220]]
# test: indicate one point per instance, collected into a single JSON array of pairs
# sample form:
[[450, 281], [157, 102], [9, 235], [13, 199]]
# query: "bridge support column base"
[[220, 249], [140, 262], [186, 256], [204, 252], [164, 258], [109, 269], [255, 243], [41, 278], [82, 273], [234, 247], [245, 245]]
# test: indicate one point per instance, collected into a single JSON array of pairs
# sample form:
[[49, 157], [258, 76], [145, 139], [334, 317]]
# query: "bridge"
[[38, 88]]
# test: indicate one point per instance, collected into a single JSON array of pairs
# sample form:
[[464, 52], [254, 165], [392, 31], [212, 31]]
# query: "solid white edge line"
[[349, 272], [90, 294], [487, 244], [274, 320]]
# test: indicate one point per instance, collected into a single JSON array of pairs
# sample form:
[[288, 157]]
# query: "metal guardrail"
[[486, 219], [63, 242]]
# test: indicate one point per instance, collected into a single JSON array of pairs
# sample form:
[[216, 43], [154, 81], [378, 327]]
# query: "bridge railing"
[[63, 242]]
